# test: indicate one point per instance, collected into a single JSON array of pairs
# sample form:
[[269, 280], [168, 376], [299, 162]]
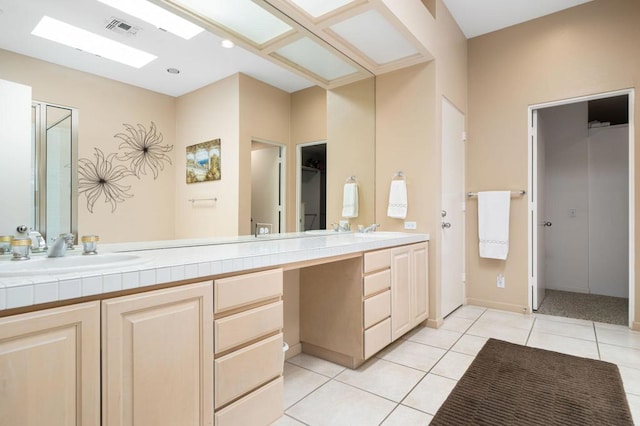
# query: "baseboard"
[[568, 289], [293, 351], [635, 325], [434, 323], [329, 355], [501, 306]]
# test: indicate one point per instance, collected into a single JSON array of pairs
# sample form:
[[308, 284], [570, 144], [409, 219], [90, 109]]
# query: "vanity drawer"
[[377, 308], [264, 406], [377, 337], [377, 282], [241, 290], [376, 260], [248, 368], [246, 326]]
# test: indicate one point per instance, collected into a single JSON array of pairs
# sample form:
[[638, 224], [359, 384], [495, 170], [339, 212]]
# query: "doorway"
[[54, 140], [581, 205], [267, 186], [312, 186]]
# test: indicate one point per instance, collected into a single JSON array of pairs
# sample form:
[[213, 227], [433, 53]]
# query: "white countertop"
[[158, 262]]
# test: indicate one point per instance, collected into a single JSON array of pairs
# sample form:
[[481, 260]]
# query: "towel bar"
[[195, 200], [513, 193]]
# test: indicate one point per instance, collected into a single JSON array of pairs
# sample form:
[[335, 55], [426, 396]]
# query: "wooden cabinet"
[[50, 367], [157, 352], [409, 288], [376, 283], [249, 356], [332, 311], [345, 308]]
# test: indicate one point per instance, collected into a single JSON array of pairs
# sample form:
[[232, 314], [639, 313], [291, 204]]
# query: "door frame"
[[282, 179], [299, 220], [532, 260]]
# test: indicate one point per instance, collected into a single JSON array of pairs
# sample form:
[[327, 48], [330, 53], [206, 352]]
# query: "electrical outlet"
[[410, 225], [500, 281]]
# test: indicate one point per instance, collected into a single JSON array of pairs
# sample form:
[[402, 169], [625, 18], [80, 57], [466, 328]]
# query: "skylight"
[[75, 37], [155, 15]]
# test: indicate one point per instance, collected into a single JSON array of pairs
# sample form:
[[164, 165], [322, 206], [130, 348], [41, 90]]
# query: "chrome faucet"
[[341, 227], [60, 245], [370, 228], [38, 243]]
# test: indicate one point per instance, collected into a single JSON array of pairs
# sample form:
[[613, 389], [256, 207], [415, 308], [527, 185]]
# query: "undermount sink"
[[376, 234], [323, 232], [69, 264]]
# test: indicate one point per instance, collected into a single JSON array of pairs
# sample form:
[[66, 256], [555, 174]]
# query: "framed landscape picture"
[[203, 161]]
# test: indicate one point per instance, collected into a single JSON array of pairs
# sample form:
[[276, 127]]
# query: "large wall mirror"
[[59, 139]]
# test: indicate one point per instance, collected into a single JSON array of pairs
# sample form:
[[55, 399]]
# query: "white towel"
[[350, 200], [493, 223], [397, 208]]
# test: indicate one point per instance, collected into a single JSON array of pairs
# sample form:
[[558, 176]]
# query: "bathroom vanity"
[[192, 332]]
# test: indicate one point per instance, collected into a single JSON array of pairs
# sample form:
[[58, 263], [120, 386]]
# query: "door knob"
[[547, 223], [446, 225]]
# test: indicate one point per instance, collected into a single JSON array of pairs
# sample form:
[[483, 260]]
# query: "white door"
[[266, 181], [538, 211], [452, 202]]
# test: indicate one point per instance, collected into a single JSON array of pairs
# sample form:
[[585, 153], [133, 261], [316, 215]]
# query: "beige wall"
[[264, 116], [584, 50], [351, 122], [104, 106], [408, 127], [208, 113], [308, 124]]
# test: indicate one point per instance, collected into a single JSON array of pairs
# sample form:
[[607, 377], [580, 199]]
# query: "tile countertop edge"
[[175, 263]]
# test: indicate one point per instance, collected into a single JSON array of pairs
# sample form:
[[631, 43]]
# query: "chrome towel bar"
[[513, 193]]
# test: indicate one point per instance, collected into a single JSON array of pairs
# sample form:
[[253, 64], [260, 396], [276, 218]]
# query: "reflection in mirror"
[[54, 150], [267, 187], [237, 109], [313, 186]]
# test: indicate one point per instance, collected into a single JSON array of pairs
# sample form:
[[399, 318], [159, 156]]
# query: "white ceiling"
[[477, 17], [202, 60]]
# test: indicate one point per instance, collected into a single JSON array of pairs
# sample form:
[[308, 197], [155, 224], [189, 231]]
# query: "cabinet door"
[[401, 292], [420, 280], [157, 357], [50, 367]]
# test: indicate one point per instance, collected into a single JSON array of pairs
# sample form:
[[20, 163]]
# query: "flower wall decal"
[[144, 152], [144, 149], [102, 179]]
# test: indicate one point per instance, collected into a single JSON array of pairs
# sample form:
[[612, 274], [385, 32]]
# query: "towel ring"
[[398, 176]]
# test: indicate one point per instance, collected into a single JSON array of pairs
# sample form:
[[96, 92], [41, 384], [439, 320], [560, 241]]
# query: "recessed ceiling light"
[[227, 44], [75, 37], [173, 70], [157, 16]]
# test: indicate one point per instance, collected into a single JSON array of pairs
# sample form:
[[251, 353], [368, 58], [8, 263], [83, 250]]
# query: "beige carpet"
[[612, 310], [509, 384]]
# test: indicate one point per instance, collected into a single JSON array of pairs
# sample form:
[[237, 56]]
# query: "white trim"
[[632, 203], [531, 108], [299, 179], [532, 253]]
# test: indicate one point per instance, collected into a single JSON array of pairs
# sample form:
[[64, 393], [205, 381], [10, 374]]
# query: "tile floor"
[[406, 383]]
